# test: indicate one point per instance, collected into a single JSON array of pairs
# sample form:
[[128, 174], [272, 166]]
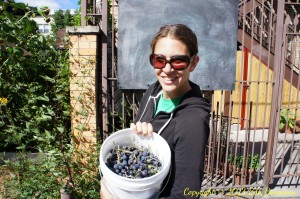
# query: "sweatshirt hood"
[[193, 98]]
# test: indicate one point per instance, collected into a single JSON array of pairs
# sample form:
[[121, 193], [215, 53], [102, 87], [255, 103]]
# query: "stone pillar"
[[83, 62]]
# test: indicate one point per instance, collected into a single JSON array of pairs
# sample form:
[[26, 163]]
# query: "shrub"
[[34, 81]]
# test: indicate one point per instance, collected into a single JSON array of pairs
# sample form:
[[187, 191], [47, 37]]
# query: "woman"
[[174, 108]]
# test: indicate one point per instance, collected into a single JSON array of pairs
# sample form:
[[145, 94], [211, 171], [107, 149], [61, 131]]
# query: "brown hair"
[[179, 32]]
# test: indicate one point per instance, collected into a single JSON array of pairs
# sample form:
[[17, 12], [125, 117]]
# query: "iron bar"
[[113, 64], [219, 133], [104, 29], [271, 137], [83, 12], [282, 71]]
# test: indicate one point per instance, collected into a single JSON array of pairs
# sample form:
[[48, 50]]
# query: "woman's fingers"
[[139, 128], [133, 126], [150, 129], [144, 128]]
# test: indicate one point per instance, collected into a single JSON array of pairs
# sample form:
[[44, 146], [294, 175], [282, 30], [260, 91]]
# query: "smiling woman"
[[173, 107]]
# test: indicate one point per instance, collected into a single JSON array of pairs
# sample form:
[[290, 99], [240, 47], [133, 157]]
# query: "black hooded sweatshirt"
[[186, 129]]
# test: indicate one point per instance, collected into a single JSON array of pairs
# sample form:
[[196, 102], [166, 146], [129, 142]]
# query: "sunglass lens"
[[180, 63], [158, 61]]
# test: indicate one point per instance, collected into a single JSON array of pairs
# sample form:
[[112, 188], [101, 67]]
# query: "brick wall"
[[83, 61]]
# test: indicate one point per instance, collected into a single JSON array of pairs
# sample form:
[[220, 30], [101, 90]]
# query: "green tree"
[[76, 18], [67, 18], [61, 19]]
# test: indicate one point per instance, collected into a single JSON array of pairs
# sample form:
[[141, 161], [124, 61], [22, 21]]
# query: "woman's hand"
[[144, 128], [104, 192]]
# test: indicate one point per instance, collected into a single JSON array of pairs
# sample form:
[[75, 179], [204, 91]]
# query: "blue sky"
[[52, 4]]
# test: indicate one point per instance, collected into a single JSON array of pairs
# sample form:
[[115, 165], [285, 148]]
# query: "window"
[[44, 28], [41, 28]]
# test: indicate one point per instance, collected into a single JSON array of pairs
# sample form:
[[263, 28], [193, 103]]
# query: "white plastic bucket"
[[126, 188]]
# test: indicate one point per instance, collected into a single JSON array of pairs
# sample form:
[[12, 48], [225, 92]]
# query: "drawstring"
[[150, 97], [164, 126], [145, 108]]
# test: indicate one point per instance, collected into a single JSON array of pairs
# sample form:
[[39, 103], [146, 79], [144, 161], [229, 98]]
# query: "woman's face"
[[175, 83]]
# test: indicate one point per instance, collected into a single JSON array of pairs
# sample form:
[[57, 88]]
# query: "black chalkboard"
[[213, 21]]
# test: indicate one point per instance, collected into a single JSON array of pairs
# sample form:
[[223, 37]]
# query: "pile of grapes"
[[133, 162]]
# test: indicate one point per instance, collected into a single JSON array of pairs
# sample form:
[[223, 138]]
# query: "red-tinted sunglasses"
[[177, 62]]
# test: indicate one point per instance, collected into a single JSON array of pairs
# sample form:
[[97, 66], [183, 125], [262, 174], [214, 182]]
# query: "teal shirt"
[[167, 105]]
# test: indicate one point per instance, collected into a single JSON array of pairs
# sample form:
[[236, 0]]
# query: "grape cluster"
[[133, 162]]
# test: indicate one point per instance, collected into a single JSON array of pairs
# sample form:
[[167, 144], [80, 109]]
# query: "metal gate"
[[283, 158], [246, 147]]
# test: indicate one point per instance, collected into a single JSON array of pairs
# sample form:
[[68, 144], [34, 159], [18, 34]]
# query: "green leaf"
[[43, 98], [10, 50], [56, 174], [66, 113], [61, 129], [80, 127], [30, 26], [38, 138], [44, 118], [28, 124], [281, 125], [12, 175], [22, 147], [50, 112], [49, 79]]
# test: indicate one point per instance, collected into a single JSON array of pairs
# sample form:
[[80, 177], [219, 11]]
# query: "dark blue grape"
[[116, 166], [124, 157], [145, 152], [132, 148], [144, 173], [124, 163]]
